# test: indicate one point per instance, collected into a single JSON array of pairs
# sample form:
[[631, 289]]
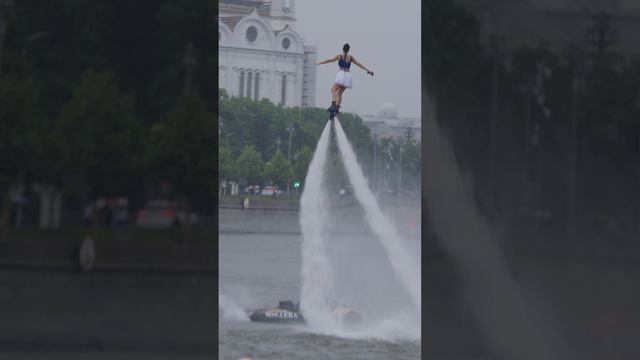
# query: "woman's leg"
[[334, 93], [341, 89]]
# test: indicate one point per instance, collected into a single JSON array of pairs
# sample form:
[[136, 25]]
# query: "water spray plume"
[[514, 327], [316, 270], [405, 266], [318, 292]]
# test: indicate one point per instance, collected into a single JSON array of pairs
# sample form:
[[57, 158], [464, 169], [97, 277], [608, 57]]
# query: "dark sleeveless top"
[[343, 63]]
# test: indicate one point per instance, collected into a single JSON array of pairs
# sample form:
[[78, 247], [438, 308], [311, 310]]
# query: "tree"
[[336, 177], [358, 134], [278, 170], [21, 137], [301, 163], [411, 165], [226, 165], [99, 138], [249, 165], [181, 151], [451, 40], [145, 50], [258, 123]]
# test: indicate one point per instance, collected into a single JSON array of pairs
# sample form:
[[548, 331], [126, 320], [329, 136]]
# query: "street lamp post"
[[375, 155], [534, 90], [189, 60], [409, 134], [495, 42], [5, 7], [389, 159], [290, 129], [400, 170], [638, 175], [573, 57], [526, 193], [543, 73], [601, 35], [494, 118]]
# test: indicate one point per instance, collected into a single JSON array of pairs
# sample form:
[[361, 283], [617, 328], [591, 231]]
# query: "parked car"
[[162, 214], [252, 189], [270, 191]]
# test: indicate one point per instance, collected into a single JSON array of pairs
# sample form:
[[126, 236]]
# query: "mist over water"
[[515, 328], [372, 272]]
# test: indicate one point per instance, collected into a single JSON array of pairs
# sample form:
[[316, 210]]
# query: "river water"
[[258, 270]]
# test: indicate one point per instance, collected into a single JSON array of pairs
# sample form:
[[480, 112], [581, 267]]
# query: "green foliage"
[[450, 40], [23, 131], [411, 165], [99, 136], [411, 154], [358, 134], [78, 96], [258, 124], [249, 166], [278, 170], [458, 70], [336, 175], [301, 163], [144, 50], [181, 148], [226, 164]]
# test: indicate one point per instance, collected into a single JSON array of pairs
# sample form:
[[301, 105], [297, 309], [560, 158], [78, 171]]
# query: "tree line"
[[89, 110], [94, 101], [261, 143], [538, 93]]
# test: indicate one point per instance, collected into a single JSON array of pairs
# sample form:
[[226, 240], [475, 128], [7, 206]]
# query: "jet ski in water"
[[288, 312], [285, 312]]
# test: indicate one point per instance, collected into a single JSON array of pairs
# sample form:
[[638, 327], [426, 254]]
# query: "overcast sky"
[[384, 36]]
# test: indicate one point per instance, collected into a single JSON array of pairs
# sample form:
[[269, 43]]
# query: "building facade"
[[262, 56], [387, 124]]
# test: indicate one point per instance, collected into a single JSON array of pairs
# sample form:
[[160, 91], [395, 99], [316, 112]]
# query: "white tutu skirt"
[[344, 78]]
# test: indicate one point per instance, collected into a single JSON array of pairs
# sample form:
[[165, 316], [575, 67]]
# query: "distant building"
[[387, 124], [261, 55]]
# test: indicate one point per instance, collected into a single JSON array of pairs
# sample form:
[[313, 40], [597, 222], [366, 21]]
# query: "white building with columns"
[[261, 55], [387, 124]]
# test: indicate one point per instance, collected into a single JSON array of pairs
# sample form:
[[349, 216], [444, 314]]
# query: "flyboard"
[[333, 112]]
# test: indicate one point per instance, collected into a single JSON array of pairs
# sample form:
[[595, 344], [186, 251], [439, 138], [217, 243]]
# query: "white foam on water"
[[396, 328], [229, 310], [403, 263]]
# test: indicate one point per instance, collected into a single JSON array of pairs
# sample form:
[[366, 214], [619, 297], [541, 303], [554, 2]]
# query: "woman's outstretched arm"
[[335, 58], [361, 66]]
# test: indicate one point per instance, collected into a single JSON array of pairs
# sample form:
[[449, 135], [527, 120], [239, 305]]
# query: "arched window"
[[255, 88], [241, 94], [283, 90], [249, 80]]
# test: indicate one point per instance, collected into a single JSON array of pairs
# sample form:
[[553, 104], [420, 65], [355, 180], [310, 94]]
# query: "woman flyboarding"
[[343, 77]]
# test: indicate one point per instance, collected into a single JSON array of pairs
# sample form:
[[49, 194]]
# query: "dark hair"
[[345, 48]]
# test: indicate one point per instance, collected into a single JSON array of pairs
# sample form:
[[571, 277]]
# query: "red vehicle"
[[162, 214]]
